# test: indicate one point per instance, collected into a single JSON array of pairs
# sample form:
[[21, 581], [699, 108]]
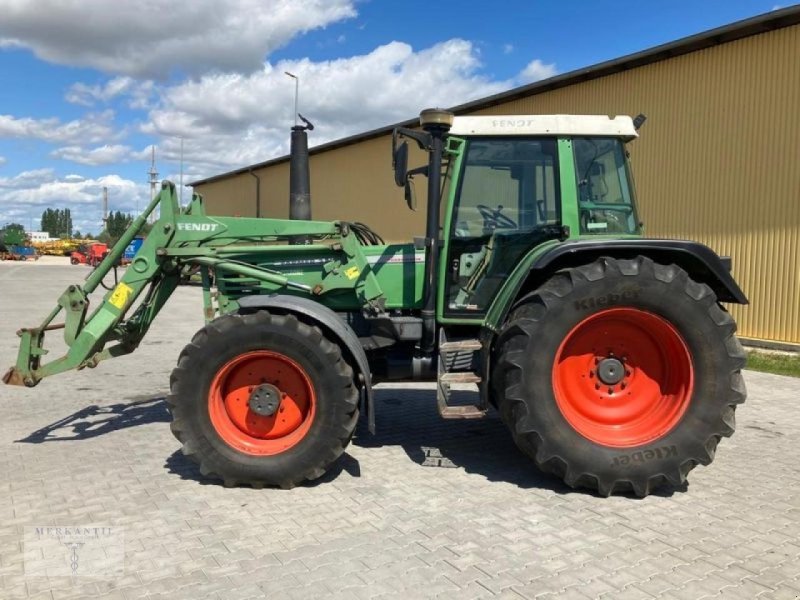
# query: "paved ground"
[[426, 508]]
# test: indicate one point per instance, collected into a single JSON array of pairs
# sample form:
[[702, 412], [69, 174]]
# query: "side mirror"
[[400, 163], [411, 196]]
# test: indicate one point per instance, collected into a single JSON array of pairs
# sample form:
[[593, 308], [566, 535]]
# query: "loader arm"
[[178, 238]]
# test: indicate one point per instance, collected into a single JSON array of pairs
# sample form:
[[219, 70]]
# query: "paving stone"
[[441, 509]]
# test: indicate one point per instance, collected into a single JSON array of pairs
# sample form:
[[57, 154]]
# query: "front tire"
[[620, 375], [309, 409]]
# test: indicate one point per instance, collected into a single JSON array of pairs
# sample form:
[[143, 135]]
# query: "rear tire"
[[214, 419], [669, 385], [73, 261]]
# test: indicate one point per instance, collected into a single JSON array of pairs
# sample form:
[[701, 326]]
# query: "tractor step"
[[459, 378], [462, 412], [457, 365], [461, 346]]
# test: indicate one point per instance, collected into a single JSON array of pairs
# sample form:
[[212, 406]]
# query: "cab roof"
[[552, 125]]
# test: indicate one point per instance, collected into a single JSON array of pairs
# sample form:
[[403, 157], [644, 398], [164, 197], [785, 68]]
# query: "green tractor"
[[607, 354]]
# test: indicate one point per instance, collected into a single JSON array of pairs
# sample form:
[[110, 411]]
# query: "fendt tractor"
[[607, 354]]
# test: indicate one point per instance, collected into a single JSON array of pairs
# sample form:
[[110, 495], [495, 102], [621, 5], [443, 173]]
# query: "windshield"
[[507, 184], [605, 192]]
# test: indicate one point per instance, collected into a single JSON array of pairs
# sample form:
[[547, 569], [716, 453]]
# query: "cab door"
[[504, 200]]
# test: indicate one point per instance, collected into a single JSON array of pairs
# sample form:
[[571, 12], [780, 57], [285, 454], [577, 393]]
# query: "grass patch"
[[778, 364]]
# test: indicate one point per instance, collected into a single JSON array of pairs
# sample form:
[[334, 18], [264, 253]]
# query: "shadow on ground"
[[178, 464], [409, 418], [95, 420], [406, 417]]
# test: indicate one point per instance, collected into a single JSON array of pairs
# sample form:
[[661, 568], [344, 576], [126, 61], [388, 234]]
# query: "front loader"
[[607, 354]]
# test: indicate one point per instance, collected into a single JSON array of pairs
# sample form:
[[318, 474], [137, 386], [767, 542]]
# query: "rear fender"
[[699, 261], [322, 316]]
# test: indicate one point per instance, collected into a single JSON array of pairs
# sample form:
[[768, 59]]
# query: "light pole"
[[296, 93], [180, 195], [153, 173]]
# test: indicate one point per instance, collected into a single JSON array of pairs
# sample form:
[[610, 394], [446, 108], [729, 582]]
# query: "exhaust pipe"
[[299, 180]]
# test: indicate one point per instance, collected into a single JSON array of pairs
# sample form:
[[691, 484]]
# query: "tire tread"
[[513, 346]]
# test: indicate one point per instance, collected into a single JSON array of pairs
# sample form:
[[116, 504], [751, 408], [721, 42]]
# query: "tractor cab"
[[513, 183]]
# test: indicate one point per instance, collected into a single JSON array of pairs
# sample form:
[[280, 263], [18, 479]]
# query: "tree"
[[116, 225], [49, 221], [57, 222]]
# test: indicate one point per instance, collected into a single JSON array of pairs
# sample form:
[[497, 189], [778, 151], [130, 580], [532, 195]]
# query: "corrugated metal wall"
[[718, 162], [352, 183]]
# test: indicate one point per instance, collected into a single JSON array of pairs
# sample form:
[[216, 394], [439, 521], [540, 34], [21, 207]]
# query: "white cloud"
[[151, 39], [88, 95], [2, 160], [230, 119], [536, 70], [508, 48], [26, 195], [27, 179], [102, 155], [93, 129], [139, 93]]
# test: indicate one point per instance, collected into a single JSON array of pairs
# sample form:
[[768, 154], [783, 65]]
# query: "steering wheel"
[[493, 219]]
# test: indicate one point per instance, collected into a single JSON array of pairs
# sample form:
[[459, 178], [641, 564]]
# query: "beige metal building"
[[718, 160]]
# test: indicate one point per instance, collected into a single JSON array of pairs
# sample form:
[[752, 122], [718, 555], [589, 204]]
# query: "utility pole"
[[153, 179], [180, 194], [105, 208]]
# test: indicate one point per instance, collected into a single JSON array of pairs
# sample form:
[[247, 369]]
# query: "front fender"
[[329, 321]]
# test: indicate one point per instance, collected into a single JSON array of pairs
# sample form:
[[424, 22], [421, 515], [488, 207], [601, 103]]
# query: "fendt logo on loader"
[[198, 226]]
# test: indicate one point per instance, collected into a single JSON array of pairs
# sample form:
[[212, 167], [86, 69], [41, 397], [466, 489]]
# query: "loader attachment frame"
[[87, 337], [184, 237]]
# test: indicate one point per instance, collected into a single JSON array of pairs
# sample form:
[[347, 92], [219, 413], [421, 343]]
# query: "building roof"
[[771, 21]]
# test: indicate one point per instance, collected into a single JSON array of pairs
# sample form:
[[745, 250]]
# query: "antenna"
[[153, 178]]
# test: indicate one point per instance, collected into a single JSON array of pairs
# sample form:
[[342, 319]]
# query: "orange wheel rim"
[[234, 416], [623, 377]]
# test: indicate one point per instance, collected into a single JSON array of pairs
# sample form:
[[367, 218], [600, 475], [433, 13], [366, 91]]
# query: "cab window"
[[605, 191]]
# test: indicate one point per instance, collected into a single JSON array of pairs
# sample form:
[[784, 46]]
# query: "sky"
[[89, 87]]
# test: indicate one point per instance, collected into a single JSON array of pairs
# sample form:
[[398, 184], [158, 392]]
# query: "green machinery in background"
[[607, 354]]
